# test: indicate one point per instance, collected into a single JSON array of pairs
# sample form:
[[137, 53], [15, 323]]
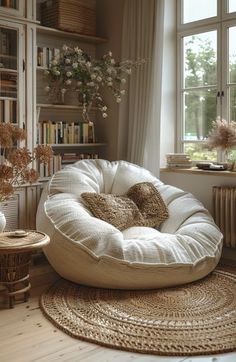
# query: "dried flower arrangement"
[[16, 166], [222, 135], [77, 71]]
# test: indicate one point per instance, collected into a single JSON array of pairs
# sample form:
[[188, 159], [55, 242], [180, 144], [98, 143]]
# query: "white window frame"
[[220, 23]]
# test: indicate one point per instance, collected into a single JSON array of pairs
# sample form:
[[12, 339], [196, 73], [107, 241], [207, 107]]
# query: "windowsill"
[[197, 171]]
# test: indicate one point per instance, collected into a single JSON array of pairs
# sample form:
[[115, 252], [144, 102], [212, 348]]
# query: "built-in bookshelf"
[[62, 125]]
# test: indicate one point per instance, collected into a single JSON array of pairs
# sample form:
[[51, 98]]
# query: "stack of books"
[[178, 160]]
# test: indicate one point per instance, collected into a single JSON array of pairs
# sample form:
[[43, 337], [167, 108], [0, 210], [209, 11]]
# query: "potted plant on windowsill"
[[16, 163]]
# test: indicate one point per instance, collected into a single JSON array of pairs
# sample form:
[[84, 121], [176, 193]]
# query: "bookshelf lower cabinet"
[[20, 210], [14, 210]]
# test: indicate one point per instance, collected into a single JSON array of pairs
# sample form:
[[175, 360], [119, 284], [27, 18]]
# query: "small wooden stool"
[[15, 256]]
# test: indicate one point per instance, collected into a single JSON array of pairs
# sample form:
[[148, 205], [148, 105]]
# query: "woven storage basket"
[[78, 16], [14, 266]]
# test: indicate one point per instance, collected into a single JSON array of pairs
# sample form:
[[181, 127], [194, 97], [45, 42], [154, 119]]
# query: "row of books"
[[65, 132], [8, 110], [178, 160], [51, 168], [57, 162], [9, 3], [45, 55], [8, 85], [71, 157]]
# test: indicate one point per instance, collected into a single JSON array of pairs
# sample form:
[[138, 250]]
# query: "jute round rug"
[[193, 319]]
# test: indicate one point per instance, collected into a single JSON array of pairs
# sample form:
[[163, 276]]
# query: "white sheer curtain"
[[139, 116]]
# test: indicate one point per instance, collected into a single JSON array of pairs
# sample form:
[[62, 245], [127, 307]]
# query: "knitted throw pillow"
[[143, 206], [119, 211], [149, 202]]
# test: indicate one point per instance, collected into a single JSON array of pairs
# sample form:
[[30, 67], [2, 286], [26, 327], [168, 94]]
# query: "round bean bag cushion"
[[185, 245]]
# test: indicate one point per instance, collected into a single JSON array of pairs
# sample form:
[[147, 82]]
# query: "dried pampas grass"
[[222, 135]]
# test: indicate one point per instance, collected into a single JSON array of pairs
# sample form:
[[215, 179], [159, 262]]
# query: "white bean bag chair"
[[86, 250]]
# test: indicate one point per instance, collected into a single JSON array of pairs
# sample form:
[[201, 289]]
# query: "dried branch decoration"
[[222, 135], [16, 166]]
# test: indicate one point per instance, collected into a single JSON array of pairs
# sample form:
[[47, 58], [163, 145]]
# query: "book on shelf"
[[9, 3], [8, 110], [53, 166], [71, 157], [45, 55], [178, 160], [179, 165], [8, 85], [2, 118]]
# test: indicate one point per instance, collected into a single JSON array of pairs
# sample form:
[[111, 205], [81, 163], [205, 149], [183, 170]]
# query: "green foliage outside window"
[[200, 85], [199, 152]]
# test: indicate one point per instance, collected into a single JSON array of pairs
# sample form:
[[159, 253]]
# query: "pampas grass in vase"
[[223, 137]]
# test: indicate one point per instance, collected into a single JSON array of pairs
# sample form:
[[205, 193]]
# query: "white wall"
[[201, 187]]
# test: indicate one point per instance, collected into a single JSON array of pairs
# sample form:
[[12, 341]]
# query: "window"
[[207, 71]]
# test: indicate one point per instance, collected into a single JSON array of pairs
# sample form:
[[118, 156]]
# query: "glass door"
[[12, 74]]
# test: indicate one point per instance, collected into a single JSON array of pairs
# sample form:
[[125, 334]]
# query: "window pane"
[[13, 4], [199, 113], [232, 99], [232, 55], [200, 58], [199, 152], [232, 6], [8, 63], [194, 10]]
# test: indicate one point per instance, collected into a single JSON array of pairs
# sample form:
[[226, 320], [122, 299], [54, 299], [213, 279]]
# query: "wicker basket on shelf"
[[78, 16]]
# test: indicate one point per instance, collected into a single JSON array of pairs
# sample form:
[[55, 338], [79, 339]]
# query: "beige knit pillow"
[[143, 206], [119, 211], [149, 202]]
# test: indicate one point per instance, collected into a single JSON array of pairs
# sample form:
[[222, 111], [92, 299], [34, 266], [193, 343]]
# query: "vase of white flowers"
[[74, 70]]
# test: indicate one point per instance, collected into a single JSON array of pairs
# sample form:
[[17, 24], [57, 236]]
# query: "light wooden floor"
[[26, 336]]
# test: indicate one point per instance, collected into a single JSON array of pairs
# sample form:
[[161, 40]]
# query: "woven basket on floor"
[[77, 16]]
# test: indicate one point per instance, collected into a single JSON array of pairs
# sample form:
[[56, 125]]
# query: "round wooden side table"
[[15, 256]]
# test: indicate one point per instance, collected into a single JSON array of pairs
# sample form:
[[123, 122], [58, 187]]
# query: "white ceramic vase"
[[2, 222]]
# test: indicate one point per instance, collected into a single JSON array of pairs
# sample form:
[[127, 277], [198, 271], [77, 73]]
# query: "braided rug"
[[193, 319]]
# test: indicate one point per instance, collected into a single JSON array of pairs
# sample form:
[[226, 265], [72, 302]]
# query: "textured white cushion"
[[90, 251]]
